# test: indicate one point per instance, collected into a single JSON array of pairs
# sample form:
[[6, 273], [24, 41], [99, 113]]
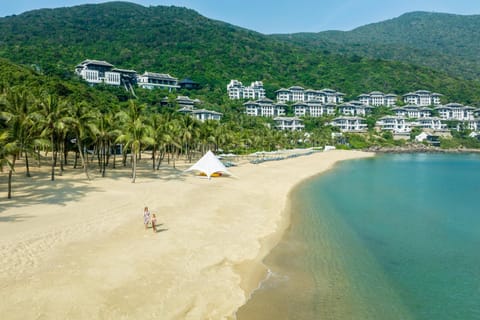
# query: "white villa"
[[151, 80], [313, 108], [236, 90], [354, 109], [455, 111], [288, 123], [412, 111], [95, 72], [431, 123], [377, 98], [395, 124], [299, 94], [422, 98], [350, 124], [204, 115], [264, 108], [201, 114]]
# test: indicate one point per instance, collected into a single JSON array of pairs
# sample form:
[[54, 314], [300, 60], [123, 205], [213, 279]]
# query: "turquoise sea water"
[[392, 237]]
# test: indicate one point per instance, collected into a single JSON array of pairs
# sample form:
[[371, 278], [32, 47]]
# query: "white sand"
[[77, 249]]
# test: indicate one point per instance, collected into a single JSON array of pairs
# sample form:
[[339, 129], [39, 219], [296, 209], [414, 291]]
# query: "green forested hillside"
[[183, 43], [446, 42]]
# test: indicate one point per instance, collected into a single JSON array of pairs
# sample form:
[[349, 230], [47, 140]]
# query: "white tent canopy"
[[209, 164]]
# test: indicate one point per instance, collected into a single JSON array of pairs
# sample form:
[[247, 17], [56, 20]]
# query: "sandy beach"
[[77, 249]]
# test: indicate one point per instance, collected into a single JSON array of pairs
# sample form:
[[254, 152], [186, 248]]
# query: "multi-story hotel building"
[[431, 123], [95, 72], [236, 90], [422, 98], [354, 109], [313, 108], [377, 98], [395, 124], [350, 124], [299, 94], [288, 123], [455, 111], [151, 80], [264, 108]]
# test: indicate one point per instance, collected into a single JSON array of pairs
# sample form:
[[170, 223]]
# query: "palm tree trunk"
[[27, 166], [134, 167], [84, 164], [54, 159], [75, 162], [104, 158], [38, 157], [10, 173], [154, 151]]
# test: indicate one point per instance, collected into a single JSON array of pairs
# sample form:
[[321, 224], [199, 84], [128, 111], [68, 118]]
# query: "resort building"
[[395, 124], [422, 98], [313, 108], [412, 111], [377, 98], [354, 109], [299, 94], [428, 138], [201, 114], [350, 124], [151, 80], [95, 72], [431, 123], [236, 90], [455, 111], [288, 123], [264, 108], [204, 115]]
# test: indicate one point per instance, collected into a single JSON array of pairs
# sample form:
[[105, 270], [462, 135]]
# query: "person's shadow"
[[160, 229]]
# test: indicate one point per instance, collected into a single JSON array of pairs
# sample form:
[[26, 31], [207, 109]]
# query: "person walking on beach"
[[154, 223], [146, 217]]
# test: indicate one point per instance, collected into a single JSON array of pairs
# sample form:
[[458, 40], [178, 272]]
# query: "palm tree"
[[7, 148], [135, 133], [106, 135], [189, 131], [83, 126], [54, 117], [18, 113]]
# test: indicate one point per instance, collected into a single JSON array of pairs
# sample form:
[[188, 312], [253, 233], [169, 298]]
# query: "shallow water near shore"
[[392, 237]]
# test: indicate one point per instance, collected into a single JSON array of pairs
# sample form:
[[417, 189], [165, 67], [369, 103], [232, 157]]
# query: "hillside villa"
[[288, 123], [97, 72], [265, 108], [236, 90], [299, 94], [377, 98], [422, 98]]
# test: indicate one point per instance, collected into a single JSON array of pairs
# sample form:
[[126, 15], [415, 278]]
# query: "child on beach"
[[154, 223], [146, 217]]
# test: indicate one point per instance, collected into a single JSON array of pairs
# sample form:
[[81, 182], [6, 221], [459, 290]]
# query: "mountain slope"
[[442, 41], [183, 43]]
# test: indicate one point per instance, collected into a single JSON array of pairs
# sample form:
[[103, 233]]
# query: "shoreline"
[[81, 248]]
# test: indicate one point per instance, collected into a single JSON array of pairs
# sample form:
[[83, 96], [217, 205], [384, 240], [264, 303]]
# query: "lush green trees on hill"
[[441, 41], [183, 43]]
